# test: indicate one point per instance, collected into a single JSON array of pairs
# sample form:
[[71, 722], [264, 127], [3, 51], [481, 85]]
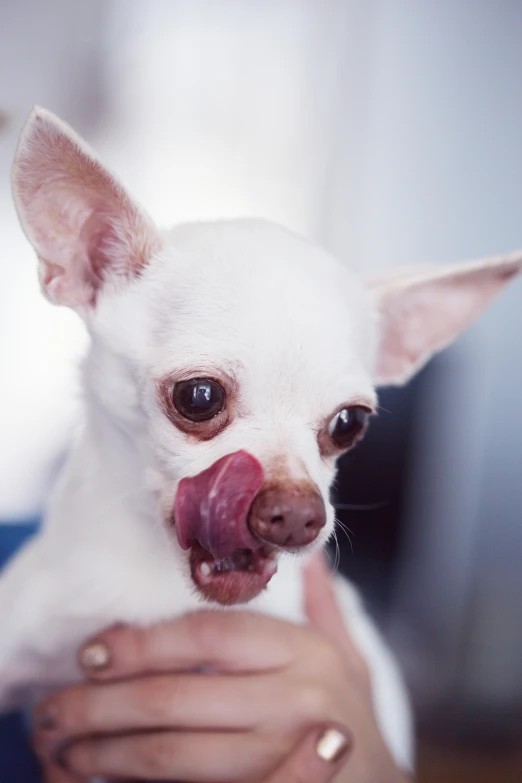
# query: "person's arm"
[[370, 760], [217, 696]]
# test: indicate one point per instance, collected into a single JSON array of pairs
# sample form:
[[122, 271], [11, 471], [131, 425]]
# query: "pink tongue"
[[212, 507]]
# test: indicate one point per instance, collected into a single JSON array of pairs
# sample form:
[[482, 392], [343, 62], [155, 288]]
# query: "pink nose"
[[287, 517]]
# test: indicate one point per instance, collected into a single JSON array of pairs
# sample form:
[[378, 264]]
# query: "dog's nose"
[[287, 517]]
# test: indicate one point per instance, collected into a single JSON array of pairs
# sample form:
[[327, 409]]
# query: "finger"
[[317, 759], [192, 757], [53, 774], [321, 604], [224, 641], [187, 701]]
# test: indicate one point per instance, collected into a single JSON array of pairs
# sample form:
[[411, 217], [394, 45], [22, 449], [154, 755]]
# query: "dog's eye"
[[199, 399], [349, 425]]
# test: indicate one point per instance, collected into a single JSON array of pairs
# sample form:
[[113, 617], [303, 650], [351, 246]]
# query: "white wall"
[[51, 54]]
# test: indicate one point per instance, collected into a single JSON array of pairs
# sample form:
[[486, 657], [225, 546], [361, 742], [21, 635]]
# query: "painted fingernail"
[[46, 717], [95, 656], [332, 745]]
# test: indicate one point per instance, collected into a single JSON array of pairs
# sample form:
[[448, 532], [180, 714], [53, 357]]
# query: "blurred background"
[[390, 131]]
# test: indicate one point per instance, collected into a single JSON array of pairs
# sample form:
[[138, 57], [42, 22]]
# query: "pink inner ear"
[[419, 319], [83, 225], [96, 234], [101, 246], [88, 261]]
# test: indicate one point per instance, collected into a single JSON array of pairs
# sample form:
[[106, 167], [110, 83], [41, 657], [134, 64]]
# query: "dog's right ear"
[[85, 228]]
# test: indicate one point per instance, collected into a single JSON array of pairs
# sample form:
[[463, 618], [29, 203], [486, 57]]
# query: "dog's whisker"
[[337, 554], [344, 527], [346, 530], [360, 506]]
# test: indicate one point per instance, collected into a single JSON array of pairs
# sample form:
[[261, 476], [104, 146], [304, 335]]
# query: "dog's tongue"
[[212, 507]]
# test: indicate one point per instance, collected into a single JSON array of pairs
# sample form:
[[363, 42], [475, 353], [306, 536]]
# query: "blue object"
[[17, 762]]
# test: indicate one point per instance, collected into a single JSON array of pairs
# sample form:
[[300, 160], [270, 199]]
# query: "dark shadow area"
[[369, 494]]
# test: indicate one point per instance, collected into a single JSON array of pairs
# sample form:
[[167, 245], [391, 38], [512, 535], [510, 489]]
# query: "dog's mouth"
[[228, 564], [235, 578]]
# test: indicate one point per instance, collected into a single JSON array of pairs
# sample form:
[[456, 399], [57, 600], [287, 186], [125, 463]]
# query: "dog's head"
[[240, 359]]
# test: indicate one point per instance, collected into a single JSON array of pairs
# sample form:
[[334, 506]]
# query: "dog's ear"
[[84, 227], [422, 310]]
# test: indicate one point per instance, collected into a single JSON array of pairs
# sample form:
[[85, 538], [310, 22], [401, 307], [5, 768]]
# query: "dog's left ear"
[[422, 310], [85, 228]]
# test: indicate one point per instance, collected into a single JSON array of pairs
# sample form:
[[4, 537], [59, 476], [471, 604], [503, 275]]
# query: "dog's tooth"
[[224, 565], [205, 569]]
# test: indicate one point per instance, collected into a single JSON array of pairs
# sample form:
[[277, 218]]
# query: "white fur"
[[296, 331], [217, 297]]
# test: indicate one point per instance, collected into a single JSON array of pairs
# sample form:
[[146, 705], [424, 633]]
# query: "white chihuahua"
[[231, 364]]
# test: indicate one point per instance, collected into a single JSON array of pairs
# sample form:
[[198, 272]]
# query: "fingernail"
[[332, 745], [95, 656], [46, 717]]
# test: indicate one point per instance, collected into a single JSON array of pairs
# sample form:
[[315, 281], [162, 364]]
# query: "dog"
[[231, 364]]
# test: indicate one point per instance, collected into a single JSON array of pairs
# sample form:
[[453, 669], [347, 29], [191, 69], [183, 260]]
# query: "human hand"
[[269, 690]]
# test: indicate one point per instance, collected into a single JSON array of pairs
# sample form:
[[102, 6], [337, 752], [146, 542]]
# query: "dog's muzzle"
[[233, 525]]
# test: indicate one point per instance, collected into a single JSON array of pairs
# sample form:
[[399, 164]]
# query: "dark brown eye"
[[348, 426], [199, 399]]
